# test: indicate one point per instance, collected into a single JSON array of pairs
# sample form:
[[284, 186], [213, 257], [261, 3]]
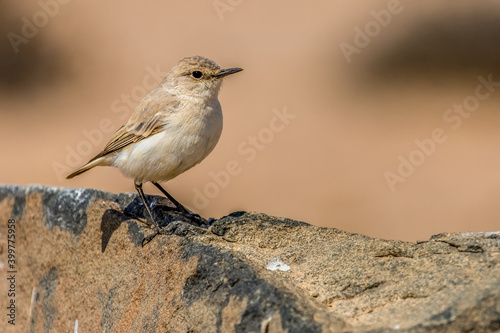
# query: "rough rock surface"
[[79, 262]]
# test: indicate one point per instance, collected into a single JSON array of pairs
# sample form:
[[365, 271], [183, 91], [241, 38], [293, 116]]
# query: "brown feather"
[[147, 119]]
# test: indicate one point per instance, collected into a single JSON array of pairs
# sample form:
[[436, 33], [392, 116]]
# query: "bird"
[[172, 129]]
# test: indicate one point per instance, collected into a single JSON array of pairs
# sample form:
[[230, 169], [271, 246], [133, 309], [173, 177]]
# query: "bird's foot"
[[156, 231], [150, 237], [188, 216], [195, 218]]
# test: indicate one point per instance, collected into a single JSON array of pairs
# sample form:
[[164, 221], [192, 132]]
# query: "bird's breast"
[[189, 136], [198, 128]]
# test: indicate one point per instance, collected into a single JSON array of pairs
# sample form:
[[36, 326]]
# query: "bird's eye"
[[197, 74]]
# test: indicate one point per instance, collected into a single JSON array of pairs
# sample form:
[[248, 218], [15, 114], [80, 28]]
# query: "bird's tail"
[[92, 163]]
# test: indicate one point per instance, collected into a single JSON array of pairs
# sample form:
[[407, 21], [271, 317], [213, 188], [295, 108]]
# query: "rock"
[[79, 263]]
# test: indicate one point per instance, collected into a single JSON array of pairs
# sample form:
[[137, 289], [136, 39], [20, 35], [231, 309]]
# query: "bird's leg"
[[138, 187], [180, 208], [176, 203]]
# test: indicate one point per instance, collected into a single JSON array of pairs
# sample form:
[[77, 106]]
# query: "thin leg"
[[178, 206], [138, 187]]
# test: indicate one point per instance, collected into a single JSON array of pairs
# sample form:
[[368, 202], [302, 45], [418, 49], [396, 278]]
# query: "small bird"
[[171, 130]]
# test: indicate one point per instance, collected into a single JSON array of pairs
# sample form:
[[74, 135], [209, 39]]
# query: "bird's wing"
[[150, 117]]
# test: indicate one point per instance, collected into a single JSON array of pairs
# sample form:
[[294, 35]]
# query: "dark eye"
[[197, 74]]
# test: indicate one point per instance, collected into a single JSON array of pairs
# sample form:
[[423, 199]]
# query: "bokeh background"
[[67, 66]]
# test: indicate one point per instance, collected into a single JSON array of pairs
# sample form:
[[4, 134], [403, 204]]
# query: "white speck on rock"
[[78, 192], [277, 264]]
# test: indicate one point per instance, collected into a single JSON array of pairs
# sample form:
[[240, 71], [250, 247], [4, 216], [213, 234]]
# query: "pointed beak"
[[226, 72]]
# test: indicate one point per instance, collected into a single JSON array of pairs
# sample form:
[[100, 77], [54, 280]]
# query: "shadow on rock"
[[111, 220], [170, 221]]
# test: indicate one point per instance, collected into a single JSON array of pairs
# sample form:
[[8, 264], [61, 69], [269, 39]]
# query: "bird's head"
[[197, 77]]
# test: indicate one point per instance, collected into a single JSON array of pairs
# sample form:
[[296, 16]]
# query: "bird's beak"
[[226, 72]]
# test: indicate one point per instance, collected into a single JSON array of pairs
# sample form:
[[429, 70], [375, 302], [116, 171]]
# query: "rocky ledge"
[[79, 266]]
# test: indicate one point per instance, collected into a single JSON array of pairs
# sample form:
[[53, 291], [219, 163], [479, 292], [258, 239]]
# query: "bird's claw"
[[149, 238]]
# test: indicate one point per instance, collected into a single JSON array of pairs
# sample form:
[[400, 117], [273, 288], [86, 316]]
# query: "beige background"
[[352, 120]]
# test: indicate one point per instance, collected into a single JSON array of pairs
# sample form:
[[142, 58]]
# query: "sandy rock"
[[79, 262]]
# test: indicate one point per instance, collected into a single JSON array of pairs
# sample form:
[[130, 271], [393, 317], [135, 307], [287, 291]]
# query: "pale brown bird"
[[171, 130]]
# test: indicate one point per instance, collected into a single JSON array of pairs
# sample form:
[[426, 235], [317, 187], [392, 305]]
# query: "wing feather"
[[149, 118]]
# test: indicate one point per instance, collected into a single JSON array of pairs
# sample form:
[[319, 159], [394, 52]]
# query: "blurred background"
[[331, 122]]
